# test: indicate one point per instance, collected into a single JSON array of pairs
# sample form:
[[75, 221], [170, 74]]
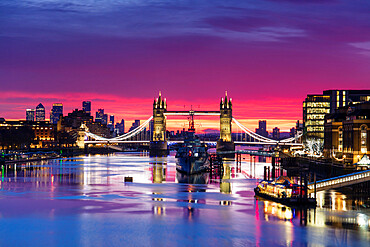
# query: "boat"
[[192, 156], [283, 190]]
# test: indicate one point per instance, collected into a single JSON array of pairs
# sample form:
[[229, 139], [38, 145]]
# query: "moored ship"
[[192, 157]]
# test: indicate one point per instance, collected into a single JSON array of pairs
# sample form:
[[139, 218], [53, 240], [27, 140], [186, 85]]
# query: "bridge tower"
[[225, 143], [81, 138], [158, 144]]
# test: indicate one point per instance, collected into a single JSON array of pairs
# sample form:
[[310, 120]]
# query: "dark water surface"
[[84, 201]]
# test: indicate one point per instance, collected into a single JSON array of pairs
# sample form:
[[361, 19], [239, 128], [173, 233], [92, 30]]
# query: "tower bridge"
[[159, 143]]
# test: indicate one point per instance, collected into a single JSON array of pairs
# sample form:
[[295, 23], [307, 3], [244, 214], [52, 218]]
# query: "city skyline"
[[268, 55], [204, 124]]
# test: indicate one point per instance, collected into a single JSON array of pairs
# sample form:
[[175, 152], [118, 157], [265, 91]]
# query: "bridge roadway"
[[191, 112], [341, 181], [210, 142]]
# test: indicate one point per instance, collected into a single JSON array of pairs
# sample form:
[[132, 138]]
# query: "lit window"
[[363, 137], [340, 139]]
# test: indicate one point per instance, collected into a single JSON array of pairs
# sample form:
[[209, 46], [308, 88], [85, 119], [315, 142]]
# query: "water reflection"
[[315, 217], [159, 166], [225, 185], [201, 178], [341, 202]]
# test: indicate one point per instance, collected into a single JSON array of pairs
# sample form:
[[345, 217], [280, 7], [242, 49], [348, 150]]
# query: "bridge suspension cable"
[[262, 138], [121, 137]]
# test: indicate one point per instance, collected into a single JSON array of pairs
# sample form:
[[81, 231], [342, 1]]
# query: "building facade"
[[262, 128], [30, 115], [347, 133], [43, 132], [315, 107], [56, 112], [99, 115], [276, 133], [120, 127], [86, 106]]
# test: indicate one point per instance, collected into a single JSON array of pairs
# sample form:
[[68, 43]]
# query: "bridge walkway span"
[[341, 181]]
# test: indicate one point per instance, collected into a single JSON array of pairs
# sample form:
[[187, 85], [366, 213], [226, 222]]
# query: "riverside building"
[[316, 106], [347, 133]]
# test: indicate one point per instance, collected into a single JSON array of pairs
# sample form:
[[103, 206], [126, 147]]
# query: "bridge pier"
[[158, 148]]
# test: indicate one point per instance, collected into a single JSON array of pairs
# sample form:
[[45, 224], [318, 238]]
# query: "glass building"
[[40, 112], [86, 106], [315, 107], [30, 115], [99, 115], [56, 112]]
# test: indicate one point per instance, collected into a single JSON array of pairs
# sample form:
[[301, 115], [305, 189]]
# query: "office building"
[[99, 115], [40, 112], [316, 106], [262, 128], [340, 98], [120, 127], [276, 133], [111, 123], [105, 119], [111, 119], [75, 119], [134, 125], [86, 106], [56, 112], [30, 115]]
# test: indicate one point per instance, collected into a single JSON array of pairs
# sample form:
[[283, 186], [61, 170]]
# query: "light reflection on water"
[[87, 199]]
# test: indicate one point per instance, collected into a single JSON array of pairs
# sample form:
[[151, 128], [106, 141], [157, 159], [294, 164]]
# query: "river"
[[84, 201]]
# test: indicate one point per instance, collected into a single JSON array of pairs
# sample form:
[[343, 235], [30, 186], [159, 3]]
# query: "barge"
[[284, 191]]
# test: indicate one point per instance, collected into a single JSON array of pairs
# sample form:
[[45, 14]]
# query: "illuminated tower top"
[[225, 103], [160, 103]]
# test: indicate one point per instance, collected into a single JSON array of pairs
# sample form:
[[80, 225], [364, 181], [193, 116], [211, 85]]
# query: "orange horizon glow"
[[278, 112]]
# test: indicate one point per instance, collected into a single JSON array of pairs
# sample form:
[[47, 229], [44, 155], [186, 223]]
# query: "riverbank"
[[19, 156]]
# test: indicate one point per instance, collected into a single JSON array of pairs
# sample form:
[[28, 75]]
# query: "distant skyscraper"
[[40, 112], [111, 119], [111, 123], [276, 133], [86, 106], [30, 115], [105, 119], [121, 127], [135, 125], [262, 128], [99, 115], [56, 112]]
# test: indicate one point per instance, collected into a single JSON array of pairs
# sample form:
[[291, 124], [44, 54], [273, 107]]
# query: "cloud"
[[304, 1], [363, 47]]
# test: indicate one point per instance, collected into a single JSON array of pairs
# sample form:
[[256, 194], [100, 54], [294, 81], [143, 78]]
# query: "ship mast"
[[191, 121]]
